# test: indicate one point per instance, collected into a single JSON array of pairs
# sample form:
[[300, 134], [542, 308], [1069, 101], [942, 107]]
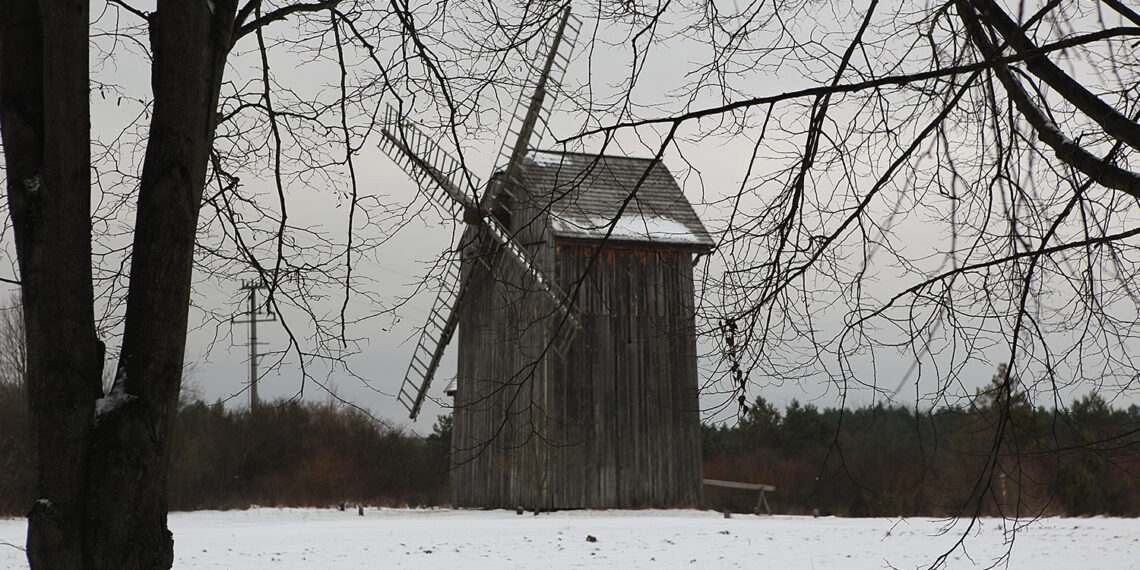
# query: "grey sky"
[[709, 168]]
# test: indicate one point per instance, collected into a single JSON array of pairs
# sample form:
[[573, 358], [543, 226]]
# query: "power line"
[[252, 317]]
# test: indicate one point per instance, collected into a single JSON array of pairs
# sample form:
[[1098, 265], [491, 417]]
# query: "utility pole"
[[252, 317]]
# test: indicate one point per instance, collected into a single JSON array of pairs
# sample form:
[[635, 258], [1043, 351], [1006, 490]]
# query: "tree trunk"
[[46, 147], [127, 502], [102, 463]]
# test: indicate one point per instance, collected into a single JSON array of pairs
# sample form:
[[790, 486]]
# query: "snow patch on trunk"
[[117, 398], [32, 185]]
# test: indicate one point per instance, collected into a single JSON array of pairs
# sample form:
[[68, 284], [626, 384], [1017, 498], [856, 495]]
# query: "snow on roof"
[[635, 228], [585, 192]]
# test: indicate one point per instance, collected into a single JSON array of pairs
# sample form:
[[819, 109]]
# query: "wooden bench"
[[748, 487]]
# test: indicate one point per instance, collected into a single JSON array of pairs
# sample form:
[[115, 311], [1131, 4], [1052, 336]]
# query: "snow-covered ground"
[[404, 538]]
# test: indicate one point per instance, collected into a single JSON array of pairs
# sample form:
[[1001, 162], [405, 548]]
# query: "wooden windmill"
[[573, 302]]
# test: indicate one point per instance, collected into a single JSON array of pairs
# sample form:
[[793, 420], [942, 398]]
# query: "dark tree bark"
[[46, 145], [102, 462], [103, 457], [127, 499]]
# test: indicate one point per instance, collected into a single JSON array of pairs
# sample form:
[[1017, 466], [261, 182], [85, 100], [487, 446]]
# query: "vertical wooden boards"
[[612, 421], [640, 362]]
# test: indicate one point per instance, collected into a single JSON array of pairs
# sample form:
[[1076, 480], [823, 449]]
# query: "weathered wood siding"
[[499, 399], [503, 391], [612, 421], [627, 387]]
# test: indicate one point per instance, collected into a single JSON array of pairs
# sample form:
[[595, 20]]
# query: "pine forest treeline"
[[872, 461], [890, 461]]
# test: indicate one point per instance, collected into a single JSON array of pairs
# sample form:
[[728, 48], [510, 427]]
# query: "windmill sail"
[[434, 338], [522, 128], [444, 180], [436, 172], [530, 115], [451, 186]]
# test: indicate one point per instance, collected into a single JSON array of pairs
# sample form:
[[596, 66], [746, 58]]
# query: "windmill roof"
[[585, 192]]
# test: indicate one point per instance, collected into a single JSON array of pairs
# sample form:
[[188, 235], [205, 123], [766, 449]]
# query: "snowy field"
[[383, 538]]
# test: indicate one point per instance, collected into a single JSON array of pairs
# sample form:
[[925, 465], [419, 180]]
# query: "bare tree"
[[943, 186], [13, 349], [224, 102], [15, 449], [1006, 133]]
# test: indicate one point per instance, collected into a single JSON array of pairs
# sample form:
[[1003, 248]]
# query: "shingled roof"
[[584, 193]]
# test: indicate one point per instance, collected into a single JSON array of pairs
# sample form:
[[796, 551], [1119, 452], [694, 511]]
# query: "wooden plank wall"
[[501, 415], [629, 383], [495, 421], [612, 422]]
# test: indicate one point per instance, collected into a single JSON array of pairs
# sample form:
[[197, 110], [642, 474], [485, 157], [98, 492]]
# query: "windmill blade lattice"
[[444, 180], [437, 173], [544, 83], [434, 338], [523, 258], [452, 187]]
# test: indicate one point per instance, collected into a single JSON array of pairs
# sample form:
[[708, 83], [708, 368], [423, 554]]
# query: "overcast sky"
[[709, 169]]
